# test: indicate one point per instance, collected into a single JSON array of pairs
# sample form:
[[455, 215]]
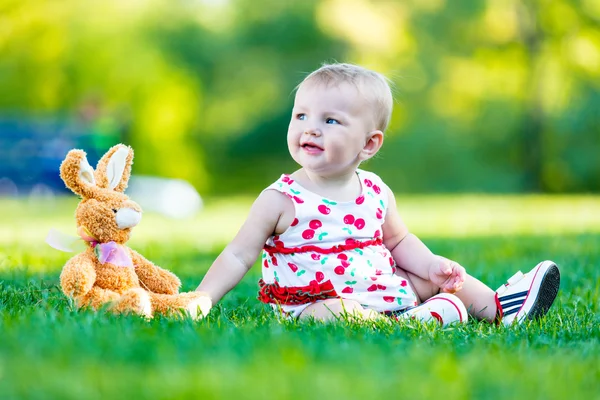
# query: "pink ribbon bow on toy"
[[110, 252]]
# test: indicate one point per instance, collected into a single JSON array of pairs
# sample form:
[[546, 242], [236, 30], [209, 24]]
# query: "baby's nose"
[[313, 132]]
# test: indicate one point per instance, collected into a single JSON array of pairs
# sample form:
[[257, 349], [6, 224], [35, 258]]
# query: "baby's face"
[[329, 128]]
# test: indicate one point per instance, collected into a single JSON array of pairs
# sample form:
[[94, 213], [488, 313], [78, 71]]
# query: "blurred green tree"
[[497, 96]]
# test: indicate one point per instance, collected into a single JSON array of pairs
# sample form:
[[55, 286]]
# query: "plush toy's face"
[[109, 219], [105, 213]]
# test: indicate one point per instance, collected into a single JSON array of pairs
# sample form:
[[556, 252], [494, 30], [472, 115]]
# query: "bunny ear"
[[114, 168], [77, 174]]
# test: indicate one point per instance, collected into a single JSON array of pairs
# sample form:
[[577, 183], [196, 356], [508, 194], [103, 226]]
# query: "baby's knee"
[[333, 309], [349, 306]]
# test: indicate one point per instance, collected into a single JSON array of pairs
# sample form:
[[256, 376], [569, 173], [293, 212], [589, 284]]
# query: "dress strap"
[[285, 185]]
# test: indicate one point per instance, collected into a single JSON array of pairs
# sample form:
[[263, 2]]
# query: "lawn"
[[50, 350]]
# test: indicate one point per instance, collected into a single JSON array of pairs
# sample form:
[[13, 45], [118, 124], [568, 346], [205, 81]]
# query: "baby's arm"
[[413, 256], [240, 254]]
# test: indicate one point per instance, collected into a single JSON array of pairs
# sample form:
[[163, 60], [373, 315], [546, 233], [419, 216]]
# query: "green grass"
[[49, 350]]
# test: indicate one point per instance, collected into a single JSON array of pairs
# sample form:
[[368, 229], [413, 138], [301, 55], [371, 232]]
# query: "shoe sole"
[[549, 282]]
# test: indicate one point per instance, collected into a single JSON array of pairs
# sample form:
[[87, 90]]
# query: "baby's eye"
[[331, 121], [301, 116]]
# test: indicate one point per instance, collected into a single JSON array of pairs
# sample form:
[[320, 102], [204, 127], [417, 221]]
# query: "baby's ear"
[[77, 174], [372, 145], [114, 168]]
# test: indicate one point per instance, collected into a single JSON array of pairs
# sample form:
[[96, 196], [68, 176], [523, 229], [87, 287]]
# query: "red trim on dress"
[[295, 295], [351, 244]]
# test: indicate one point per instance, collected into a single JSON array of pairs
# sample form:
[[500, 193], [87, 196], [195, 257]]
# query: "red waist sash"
[[350, 244], [293, 295]]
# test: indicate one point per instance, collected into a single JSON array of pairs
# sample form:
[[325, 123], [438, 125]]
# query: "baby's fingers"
[[453, 285], [445, 265], [458, 284], [458, 271]]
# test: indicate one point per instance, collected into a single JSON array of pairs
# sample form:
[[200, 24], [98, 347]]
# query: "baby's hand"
[[447, 274]]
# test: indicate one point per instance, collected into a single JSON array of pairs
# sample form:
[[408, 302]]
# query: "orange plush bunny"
[[108, 272]]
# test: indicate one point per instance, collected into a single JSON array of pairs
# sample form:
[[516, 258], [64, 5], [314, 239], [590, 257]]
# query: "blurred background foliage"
[[492, 96]]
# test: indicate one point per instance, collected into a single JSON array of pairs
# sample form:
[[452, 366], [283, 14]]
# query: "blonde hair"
[[373, 85]]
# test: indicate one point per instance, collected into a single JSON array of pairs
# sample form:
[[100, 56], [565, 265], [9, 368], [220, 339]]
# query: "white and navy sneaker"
[[444, 307], [525, 297]]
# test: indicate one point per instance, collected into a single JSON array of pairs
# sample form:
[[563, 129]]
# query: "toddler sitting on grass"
[[331, 238]]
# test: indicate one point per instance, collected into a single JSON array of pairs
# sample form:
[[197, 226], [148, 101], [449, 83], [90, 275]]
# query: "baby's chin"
[[331, 170]]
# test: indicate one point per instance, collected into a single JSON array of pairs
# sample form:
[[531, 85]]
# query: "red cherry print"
[[315, 224], [391, 262], [279, 244], [339, 270], [389, 299], [266, 264], [373, 278], [360, 199], [285, 179], [274, 261], [381, 287], [294, 222], [359, 223], [308, 234], [372, 288], [319, 276], [342, 256], [349, 219], [350, 241], [377, 233], [315, 257], [293, 267], [378, 272], [347, 289], [345, 264], [298, 200], [379, 213], [376, 189], [403, 284], [290, 182], [368, 183], [323, 209], [276, 237]]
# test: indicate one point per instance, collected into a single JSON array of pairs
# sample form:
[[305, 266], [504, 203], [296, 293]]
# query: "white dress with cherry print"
[[363, 274]]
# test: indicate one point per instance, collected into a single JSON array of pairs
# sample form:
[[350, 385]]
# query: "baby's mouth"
[[311, 147]]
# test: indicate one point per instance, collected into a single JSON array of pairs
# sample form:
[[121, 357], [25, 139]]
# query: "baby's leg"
[[332, 309], [479, 299]]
